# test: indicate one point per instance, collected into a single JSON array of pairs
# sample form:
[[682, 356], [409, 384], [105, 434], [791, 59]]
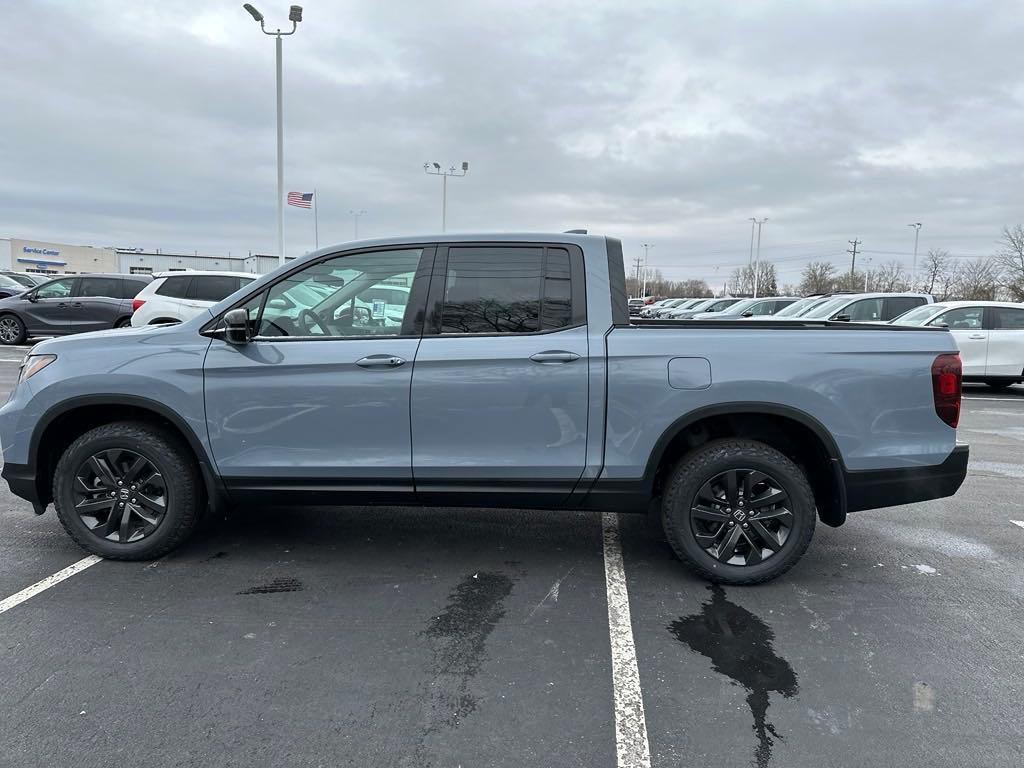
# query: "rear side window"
[[131, 288], [499, 289], [109, 287], [897, 305], [212, 287], [175, 287], [1007, 318]]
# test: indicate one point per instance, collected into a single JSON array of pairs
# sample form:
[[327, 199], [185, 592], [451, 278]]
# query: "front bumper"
[[872, 489], [21, 478]]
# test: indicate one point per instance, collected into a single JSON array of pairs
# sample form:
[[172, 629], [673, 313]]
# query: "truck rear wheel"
[[127, 491], [738, 511]]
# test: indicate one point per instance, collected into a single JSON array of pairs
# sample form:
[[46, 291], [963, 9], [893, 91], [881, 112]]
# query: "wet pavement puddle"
[[739, 645]]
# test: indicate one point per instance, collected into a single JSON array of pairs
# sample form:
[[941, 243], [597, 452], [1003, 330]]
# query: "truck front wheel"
[[127, 491], [738, 511]]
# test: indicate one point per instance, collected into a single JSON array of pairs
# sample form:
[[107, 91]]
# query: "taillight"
[[947, 375], [136, 303]]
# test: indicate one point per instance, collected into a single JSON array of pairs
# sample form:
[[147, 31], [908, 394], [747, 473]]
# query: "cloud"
[[668, 122]]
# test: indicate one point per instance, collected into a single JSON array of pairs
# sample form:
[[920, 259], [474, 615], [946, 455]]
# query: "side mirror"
[[842, 318], [236, 326], [29, 296], [748, 313]]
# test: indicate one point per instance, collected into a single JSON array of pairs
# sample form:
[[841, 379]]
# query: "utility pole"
[[444, 186], [757, 259], [853, 252], [637, 262], [917, 233], [355, 223], [294, 16], [643, 293]]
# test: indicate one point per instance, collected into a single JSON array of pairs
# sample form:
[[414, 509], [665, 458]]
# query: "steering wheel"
[[309, 320], [347, 316]]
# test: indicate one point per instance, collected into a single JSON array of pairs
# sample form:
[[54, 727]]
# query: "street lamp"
[[917, 233], [646, 247], [757, 258], [444, 186], [355, 223], [294, 16]]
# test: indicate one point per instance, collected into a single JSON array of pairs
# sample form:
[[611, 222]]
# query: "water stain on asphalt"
[[459, 638], [739, 645], [274, 585]]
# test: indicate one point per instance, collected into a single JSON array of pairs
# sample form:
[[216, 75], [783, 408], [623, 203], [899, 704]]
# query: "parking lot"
[[440, 637]]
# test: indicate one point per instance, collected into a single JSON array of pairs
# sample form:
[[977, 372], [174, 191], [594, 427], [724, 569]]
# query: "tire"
[[701, 471], [999, 386], [12, 330], [118, 446], [124, 322]]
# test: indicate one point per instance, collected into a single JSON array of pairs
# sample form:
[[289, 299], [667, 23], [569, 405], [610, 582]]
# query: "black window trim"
[[989, 323], [423, 273], [435, 299]]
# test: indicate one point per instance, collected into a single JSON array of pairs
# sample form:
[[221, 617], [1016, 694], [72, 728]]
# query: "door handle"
[[77, 304], [554, 356], [976, 336], [380, 361]]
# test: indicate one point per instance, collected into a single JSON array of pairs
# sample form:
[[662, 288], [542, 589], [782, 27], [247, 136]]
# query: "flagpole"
[[316, 223]]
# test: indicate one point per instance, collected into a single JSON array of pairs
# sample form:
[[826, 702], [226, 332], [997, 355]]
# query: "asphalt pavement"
[[454, 637]]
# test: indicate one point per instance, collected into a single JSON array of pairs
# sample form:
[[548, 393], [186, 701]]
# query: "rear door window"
[[212, 287], [109, 287], [507, 289], [175, 287], [897, 305], [1007, 319], [131, 288], [864, 311], [58, 289]]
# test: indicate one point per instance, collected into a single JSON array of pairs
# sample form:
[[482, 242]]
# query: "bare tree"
[[817, 277], [890, 277], [1010, 260], [979, 280], [741, 282], [934, 269]]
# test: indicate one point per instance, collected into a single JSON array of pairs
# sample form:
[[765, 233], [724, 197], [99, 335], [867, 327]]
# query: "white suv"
[[176, 296]]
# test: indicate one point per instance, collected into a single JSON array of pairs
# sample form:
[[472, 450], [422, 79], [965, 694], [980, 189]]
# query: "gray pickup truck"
[[485, 371]]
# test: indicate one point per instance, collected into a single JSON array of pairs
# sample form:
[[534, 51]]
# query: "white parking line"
[[1018, 522], [41, 586], [630, 725]]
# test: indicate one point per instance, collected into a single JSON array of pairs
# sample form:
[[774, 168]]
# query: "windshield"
[[919, 315], [720, 305], [702, 304], [825, 309], [797, 307], [740, 307], [634, 302], [6, 281]]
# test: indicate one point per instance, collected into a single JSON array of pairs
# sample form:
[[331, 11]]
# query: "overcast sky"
[[152, 124]]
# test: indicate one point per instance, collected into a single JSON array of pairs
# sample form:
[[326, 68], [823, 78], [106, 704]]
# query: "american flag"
[[301, 199]]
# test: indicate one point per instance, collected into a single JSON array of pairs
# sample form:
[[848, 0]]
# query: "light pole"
[[643, 291], [444, 186], [355, 223], [917, 233], [757, 259], [294, 16]]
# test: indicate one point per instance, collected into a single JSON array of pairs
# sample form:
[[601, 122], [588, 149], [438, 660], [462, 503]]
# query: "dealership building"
[[63, 259]]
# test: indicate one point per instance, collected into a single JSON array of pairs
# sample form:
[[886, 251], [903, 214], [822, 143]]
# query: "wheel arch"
[[66, 421], [793, 432]]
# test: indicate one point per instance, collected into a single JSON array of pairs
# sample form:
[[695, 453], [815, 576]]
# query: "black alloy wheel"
[[741, 517], [120, 495]]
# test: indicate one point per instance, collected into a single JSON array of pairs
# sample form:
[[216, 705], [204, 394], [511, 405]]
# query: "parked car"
[[802, 307], [635, 305], [484, 392], [646, 311], [27, 279], [176, 296], [662, 306], [866, 307], [70, 304], [9, 286], [990, 335], [750, 308], [708, 305]]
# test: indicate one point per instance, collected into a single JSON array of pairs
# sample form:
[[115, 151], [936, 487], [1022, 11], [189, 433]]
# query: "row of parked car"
[[851, 307], [67, 304]]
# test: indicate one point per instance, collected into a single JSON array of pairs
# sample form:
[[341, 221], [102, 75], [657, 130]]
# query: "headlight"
[[33, 364]]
